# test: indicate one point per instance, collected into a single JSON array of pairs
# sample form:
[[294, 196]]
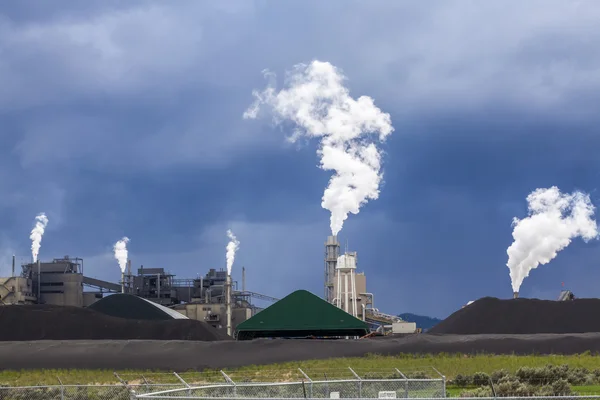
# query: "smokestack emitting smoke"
[[232, 247], [554, 220], [41, 221], [317, 102], [120, 249]]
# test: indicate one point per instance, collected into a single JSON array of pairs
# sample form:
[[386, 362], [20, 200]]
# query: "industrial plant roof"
[[301, 314], [134, 307]]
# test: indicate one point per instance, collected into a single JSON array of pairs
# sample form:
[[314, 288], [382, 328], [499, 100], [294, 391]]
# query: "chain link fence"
[[312, 384], [261, 384]]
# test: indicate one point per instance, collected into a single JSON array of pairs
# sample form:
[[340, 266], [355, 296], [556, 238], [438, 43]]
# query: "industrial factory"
[[212, 298]]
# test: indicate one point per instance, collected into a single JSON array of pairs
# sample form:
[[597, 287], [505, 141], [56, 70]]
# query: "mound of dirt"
[[46, 322], [523, 316]]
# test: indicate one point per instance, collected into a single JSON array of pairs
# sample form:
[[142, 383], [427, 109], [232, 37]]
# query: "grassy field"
[[449, 365]]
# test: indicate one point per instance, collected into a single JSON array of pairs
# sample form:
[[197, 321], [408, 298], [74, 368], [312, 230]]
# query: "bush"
[[497, 375], [510, 386], [578, 376], [561, 387], [417, 375], [462, 380], [481, 379], [545, 375], [479, 392]]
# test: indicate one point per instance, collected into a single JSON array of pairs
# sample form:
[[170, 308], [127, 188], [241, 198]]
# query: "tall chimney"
[[129, 283], [332, 252], [228, 303], [39, 286], [243, 279], [123, 282], [515, 295], [13, 266]]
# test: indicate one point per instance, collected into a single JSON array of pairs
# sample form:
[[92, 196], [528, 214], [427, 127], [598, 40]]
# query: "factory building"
[[300, 315], [346, 288], [62, 282]]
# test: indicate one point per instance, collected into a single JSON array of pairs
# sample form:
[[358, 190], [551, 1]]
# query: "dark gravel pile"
[[131, 307], [45, 322], [523, 316], [187, 355]]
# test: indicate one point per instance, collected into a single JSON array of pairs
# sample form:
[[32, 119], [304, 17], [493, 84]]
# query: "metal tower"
[[332, 252]]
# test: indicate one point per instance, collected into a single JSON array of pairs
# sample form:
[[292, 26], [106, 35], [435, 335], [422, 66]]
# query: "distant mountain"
[[422, 321]]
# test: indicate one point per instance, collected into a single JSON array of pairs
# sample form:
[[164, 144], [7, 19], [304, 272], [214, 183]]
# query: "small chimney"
[[515, 295]]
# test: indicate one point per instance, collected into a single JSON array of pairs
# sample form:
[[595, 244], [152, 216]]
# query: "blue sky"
[[125, 118]]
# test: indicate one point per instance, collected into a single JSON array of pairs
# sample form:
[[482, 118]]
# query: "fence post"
[[62, 389], [310, 386], [184, 382], [443, 381], [359, 382], [231, 382], [405, 382]]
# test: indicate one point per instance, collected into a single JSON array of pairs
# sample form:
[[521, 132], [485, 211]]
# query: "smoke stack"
[[228, 303], [13, 266], [39, 286], [129, 280], [243, 279], [122, 281], [515, 295]]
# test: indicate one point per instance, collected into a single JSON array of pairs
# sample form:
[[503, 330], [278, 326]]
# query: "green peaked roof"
[[300, 314]]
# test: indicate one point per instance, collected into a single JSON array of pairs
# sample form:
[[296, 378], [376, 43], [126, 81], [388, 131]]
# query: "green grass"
[[449, 365]]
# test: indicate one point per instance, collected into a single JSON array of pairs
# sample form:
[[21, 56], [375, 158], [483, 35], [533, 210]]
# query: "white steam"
[[120, 249], [232, 247], [317, 102], [41, 221], [554, 220]]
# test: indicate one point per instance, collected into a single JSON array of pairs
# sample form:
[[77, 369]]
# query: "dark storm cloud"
[[125, 118]]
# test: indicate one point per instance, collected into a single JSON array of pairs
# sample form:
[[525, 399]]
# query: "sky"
[[125, 119]]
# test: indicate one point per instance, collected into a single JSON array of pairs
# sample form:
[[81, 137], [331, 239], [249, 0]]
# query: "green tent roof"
[[301, 314]]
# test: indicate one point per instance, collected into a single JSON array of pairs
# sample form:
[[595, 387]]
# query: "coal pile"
[[523, 316], [133, 307], [46, 322]]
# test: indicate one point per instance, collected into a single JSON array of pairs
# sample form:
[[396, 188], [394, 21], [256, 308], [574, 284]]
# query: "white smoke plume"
[[121, 254], [232, 247], [554, 220], [317, 102], [41, 221]]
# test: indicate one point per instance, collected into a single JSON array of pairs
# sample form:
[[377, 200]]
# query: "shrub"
[[481, 379], [479, 392], [499, 374], [417, 375], [462, 380], [578, 376], [561, 387], [543, 376], [510, 386]]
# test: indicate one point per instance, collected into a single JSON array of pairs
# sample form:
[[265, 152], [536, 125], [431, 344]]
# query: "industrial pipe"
[[515, 295], [372, 298], [228, 303], [122, 281], [13, 266]]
